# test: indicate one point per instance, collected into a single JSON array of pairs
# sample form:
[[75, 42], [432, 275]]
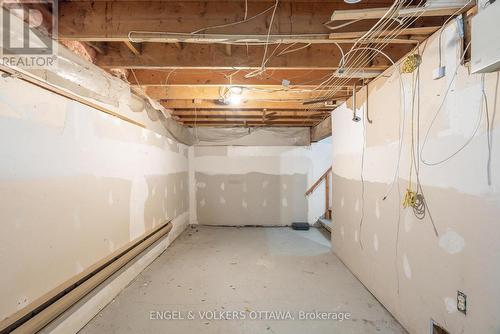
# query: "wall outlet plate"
[[462, 302], [439, 72]]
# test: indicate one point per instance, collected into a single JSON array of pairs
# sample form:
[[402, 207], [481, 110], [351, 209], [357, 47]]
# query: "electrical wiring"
[[232, 23], [382, 26], [361, 220], [347, 76], [402, 122], [444, 25], [361, 57], [366, 102], [420, 207], [262, 69], [343, 55], [342, 25], [357, 57], [490, 128], [438, 111], [264, 60], [287, 49]]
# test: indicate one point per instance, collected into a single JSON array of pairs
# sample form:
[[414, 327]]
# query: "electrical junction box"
[[486, 39]]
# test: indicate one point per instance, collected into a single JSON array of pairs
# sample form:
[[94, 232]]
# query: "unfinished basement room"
[[249, 166]]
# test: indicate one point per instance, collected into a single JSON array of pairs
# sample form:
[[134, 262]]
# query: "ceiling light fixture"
[[351, 2], [236, 90], [234, 99]]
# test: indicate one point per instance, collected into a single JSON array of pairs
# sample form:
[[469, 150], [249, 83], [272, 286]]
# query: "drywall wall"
[[249, 185], [321, 160], [412, 270], [75, 185]]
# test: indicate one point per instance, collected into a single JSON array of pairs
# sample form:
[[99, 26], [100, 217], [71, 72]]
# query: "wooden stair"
[[326, 223]]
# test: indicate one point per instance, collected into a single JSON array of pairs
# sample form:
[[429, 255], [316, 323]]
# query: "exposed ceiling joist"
[[321, 130], [152, 77], [249, 104], [164, 49], [198, 56], [407, 31], [236, 118], [249, 113], [228, 39], [82, 20], [300, 123], [214, 93], [437, 9]]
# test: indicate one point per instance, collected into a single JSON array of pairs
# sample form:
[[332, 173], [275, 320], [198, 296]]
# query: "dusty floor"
[[256, 272]]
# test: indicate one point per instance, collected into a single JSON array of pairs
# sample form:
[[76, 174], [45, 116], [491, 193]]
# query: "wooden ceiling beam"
[[377, 3], [249, 114], [82, 20], [418, 31], [200, 56], [234, 77], [412, 11], [253, 119], [191, 104], [213, 93], [322, 130], [250, 124]]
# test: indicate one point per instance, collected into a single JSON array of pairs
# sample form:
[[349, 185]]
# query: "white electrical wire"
[[232, 23]]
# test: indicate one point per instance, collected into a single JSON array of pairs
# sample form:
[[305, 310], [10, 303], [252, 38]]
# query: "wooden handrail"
[[325, 174]]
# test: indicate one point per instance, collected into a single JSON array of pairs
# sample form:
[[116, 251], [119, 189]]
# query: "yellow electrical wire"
[[411, 63]]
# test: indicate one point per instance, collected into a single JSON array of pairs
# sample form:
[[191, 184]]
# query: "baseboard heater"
[[42, 311]]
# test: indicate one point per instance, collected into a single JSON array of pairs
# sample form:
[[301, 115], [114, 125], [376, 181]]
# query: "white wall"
[[257, 185], [75, 185], [321, 160], [250, 185], [411, 270]]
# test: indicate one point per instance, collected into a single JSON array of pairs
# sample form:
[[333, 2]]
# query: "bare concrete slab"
[[243, 273]]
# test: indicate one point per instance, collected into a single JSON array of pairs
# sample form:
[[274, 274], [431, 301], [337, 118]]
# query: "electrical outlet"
[[462, 302]]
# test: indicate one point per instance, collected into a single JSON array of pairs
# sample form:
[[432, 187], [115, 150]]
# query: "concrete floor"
[[247, 270]]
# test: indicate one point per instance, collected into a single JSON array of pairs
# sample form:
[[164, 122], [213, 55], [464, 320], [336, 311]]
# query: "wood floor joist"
[[213, 93], [419, 31], [259, 119], [445, 9], [299, 123], [249, 113], [192, 104], [213, 56], [182, 61], [113, 20], [312, 77]]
